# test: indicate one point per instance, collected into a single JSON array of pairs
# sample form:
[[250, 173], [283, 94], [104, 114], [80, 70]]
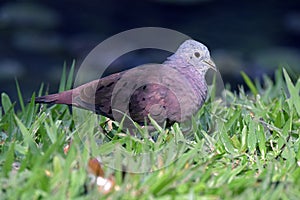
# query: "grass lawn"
[[246, 147]]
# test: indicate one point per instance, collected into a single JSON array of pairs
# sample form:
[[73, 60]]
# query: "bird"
[[170, 92]]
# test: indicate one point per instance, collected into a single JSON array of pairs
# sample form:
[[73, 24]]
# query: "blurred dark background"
[[37, 37]]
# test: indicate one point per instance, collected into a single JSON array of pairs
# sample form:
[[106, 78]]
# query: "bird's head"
[[196, 54]]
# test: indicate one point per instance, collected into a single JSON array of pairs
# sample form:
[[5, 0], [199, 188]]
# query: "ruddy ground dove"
[[169, 92]]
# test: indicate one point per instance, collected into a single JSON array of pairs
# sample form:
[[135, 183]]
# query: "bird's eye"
[[197, 54]]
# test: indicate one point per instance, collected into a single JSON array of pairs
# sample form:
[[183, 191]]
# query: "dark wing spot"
[[100, 88], [144, 87], [143, 99], [110, 84], [197, 54]]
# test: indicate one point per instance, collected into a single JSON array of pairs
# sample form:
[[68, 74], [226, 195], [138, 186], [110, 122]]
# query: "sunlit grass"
[[246, 147]]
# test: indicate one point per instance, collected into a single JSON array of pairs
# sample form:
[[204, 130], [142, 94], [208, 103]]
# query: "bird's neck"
[[196, 78], [174, 60], [186, 68]]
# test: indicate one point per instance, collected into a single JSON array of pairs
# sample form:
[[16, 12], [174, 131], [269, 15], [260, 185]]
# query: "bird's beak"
[[211, 64]]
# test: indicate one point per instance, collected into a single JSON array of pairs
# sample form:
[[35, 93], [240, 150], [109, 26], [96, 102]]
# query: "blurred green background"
[[37, 37]]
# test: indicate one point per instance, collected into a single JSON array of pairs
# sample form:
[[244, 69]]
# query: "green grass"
[[246, 147]]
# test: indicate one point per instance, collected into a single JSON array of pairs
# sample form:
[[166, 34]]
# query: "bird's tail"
[[59, 98], [52, 98]]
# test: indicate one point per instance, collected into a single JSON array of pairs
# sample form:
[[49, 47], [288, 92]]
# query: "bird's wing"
[[155, 100], [96, 95], [152, 89], [155, 90]]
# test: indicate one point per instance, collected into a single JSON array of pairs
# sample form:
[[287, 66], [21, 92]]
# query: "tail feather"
[[59, 98], [52, 98]]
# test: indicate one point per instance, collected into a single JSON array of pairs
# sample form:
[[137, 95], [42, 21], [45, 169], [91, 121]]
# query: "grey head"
[[195, 54]]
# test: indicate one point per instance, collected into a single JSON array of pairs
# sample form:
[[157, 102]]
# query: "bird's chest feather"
[[175, 98]]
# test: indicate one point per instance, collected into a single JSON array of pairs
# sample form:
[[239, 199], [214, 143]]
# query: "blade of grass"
[[234, 118], [244, 139], [62, 84], [249, 83], [41, 90], [251, 139], [28, 139], [161, 184], [261, 139], [70, 76], [226, 141], [213, 90], [20, 96], [6, 103], [293, 90], [9, 159], [155, 124], [30, 111]]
